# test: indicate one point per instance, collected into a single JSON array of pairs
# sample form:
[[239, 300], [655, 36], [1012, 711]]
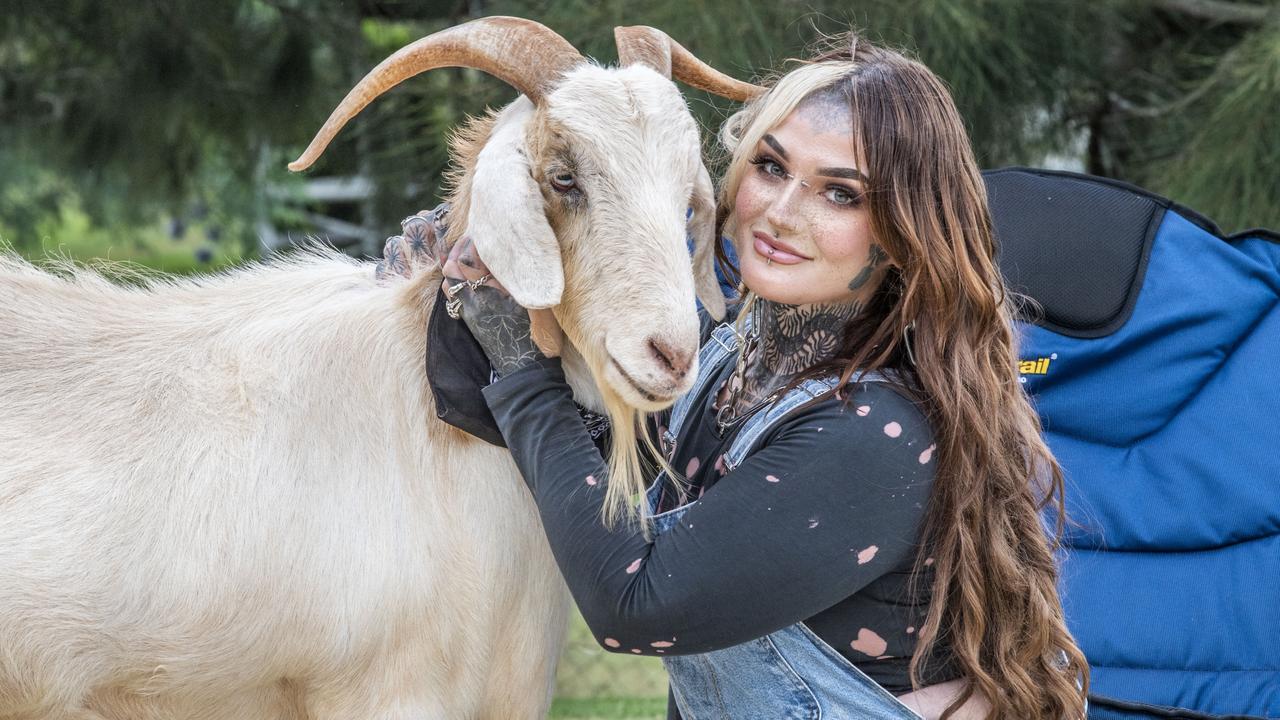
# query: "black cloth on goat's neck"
[[457, 369]]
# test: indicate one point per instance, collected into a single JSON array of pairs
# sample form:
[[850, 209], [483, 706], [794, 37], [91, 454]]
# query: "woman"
[[863, 475]]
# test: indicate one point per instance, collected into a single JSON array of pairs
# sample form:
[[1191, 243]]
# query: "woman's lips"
[[770, 249]]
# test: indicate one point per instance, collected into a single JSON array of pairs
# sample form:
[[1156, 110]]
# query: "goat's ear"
[[703, 229], [507, 222]]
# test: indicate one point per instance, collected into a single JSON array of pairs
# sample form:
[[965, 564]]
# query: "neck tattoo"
[[791, 339], [794, 338]]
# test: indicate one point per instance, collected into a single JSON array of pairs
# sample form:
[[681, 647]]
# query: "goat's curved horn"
[[650, 46], [527, 55]]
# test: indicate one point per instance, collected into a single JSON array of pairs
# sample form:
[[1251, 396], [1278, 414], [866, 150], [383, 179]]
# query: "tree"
[[141, 109]]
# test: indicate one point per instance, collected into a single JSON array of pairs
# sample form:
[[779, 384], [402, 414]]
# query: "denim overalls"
[[790, 673]]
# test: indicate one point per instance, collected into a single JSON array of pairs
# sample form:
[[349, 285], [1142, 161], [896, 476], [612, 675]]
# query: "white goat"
[[230, 499]]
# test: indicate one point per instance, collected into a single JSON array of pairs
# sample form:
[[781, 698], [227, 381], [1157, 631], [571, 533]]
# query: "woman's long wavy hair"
[[994, 597]]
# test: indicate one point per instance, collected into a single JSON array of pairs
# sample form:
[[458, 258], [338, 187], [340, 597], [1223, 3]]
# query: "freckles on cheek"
[[747, 203], [848, 243]]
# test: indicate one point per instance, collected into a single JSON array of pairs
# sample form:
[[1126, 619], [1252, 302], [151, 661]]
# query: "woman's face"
[[803, 233]]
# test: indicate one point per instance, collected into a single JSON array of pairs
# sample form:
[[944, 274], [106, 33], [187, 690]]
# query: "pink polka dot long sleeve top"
[[819, 524]]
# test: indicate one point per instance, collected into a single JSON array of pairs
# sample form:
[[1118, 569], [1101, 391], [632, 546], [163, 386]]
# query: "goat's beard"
[[629, 469]]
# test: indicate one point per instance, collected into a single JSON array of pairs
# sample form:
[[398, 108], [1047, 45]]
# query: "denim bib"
[[791, 673]]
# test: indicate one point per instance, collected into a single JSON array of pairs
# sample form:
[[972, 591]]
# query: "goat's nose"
[[675, 360]]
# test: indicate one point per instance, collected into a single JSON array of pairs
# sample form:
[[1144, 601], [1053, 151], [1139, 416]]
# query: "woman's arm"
[[830, 503]]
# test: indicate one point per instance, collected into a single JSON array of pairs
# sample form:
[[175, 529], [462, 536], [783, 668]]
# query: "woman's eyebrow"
[[846, 173], [772, 142]]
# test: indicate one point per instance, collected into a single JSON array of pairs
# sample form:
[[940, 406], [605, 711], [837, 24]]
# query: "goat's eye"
[[563, 182]]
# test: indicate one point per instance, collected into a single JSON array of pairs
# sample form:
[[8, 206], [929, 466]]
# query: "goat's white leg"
[[368, 703], [75, 714], [411, 682], [521, 683]]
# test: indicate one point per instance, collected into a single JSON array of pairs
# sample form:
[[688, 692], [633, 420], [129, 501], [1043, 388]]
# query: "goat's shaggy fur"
[[228, 498]]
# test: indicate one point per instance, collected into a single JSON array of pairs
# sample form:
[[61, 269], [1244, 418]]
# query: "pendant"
[[723, 419]]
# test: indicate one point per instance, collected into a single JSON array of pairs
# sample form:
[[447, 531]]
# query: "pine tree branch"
[[1219, 11], [1223, 65]]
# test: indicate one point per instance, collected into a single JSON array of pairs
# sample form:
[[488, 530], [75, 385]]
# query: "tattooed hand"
[[420, 244], [504, 329]]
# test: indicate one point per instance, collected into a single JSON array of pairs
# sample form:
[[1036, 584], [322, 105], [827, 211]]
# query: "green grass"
[[593, 684], [609, 708]]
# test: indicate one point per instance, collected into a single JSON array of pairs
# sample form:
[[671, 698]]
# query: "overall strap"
[[719, 348], [714, 353], [759, 424]]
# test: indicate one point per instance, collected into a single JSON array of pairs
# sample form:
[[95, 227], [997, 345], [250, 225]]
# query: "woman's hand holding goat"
[[420, 244], [499, 324], [511, 336], [503, 328]]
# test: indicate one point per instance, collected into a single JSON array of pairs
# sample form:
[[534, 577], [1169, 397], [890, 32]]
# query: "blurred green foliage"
[[609, 708], [594, 684], [134, 114]]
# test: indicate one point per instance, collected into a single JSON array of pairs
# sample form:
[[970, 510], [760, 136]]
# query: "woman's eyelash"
[[855, 197], [761, 161]]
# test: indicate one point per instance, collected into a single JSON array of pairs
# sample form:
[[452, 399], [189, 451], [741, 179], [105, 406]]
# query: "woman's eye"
[[564, 182], [843, 196], [769, 166]]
